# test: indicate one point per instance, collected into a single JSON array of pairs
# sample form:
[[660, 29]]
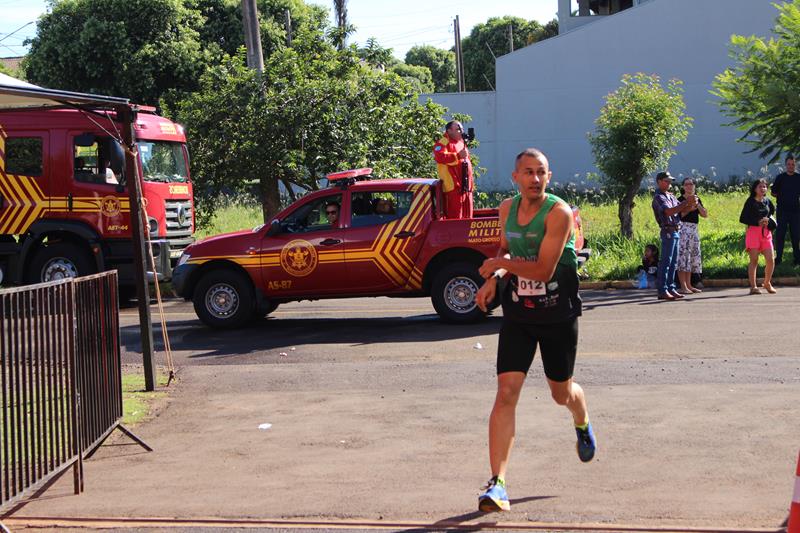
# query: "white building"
[[549, 94]]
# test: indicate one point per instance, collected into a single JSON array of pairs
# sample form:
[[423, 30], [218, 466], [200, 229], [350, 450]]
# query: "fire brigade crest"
[[299, 258], [109, 206]]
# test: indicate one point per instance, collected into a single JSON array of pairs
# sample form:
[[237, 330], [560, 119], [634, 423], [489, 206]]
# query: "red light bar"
[[345, 174]]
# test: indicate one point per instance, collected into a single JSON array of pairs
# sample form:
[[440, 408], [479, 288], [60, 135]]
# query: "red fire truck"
[[358, 237], [64, 208]]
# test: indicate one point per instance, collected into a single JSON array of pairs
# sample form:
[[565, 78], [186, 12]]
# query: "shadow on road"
[[452, 523], [609, 298], [274, 333]]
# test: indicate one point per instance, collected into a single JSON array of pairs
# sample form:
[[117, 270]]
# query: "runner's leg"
[[502, 421]]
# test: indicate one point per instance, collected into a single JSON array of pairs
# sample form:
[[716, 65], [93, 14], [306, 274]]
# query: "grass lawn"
[[613, 258], [136, 403]]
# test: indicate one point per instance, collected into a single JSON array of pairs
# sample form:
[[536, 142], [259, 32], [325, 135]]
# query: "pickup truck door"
[[387, 230], [307, 256]]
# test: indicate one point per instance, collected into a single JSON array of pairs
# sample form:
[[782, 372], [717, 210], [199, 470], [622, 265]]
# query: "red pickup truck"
[[390, 238]]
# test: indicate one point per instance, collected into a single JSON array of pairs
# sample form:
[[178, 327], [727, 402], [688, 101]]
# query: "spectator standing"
[[786, 190], [667, 210], [455, 171], [689, 256], [756, 213]]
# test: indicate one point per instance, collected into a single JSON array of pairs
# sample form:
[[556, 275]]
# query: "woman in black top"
[[756, 213], [689, 258]]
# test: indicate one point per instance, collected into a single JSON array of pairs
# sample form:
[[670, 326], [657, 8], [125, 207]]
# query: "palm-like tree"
[[340, 10]]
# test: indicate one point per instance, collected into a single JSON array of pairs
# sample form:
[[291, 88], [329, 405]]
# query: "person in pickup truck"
[[332, 213], [384, 206], [541, 307], [455, 171]]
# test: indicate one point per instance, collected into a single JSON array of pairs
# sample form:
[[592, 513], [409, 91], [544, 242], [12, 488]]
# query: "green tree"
[[479, 67], [376, 55], [441, 63], [760, 91], [116, 47], [304, 117], [637, 131], [144, 49], [419, 77]]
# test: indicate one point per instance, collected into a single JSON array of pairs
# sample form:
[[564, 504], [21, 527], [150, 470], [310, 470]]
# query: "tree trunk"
[[289, 189], [270, 197], [626, 213]]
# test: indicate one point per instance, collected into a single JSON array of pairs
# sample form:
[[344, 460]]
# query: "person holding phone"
[[690, 260], [455, 171], [541, 307]]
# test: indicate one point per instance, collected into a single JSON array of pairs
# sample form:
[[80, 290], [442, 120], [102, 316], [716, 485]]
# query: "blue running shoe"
[[495, 498], [586, 444]]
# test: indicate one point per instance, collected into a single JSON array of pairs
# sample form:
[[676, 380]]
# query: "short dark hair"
[[333, 203], [449, 124], [532, 152], [788, 157]]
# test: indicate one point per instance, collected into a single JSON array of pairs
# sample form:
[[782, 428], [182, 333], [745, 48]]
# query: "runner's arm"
[[558, 228]]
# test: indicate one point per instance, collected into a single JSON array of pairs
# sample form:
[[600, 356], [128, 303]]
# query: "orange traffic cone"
[[794, 511]]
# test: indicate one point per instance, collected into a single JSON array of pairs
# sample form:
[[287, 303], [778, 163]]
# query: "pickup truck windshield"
[[162, 161]]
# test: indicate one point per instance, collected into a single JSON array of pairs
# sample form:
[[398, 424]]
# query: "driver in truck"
[[332, 212]]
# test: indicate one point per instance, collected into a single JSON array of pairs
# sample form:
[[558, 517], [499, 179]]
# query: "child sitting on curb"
[[647, 271]]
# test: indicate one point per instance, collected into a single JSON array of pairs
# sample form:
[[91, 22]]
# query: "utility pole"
[[252, 35], [510, 38], [288, 24], [459, 57], [127, 116]]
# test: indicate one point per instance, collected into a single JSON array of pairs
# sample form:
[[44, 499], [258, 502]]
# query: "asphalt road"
[[379, 412]]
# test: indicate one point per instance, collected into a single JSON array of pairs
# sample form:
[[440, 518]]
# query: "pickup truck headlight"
[[184, 257]]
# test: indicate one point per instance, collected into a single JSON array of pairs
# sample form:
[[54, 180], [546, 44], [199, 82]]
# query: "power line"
[[15, 31]]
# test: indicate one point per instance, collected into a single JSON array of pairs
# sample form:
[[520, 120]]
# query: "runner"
[[540, 307]]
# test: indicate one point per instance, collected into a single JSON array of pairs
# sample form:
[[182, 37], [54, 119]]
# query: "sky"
[[396, 25]]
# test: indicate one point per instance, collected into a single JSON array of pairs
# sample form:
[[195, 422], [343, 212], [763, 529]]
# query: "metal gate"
[[60, 379]]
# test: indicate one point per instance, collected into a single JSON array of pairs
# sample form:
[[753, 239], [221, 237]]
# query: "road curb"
[[331, 524], [793, 281]]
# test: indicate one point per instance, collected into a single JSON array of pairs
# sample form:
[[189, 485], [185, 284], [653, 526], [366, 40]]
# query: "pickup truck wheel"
[[224, 299], [453, 293], [60, 260]]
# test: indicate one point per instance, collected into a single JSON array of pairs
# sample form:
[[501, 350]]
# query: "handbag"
[[771, 224]]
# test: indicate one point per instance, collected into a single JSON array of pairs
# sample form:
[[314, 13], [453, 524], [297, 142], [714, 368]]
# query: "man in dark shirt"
[[667, 210], [787, 190]]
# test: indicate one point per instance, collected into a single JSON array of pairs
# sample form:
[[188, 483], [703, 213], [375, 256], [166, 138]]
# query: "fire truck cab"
[[64, 207]]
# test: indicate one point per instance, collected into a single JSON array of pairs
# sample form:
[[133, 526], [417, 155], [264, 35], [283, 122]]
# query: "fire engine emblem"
[[299, 258], [109, 206]]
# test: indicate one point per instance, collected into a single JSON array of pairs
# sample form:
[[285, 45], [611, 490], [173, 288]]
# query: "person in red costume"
[[455, 171]]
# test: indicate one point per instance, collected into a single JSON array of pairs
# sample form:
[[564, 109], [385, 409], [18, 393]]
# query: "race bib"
[[530, 287]]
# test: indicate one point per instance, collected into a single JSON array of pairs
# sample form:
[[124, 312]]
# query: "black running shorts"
[[558, 344]]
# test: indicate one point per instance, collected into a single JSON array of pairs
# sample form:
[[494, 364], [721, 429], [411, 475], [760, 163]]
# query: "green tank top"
[[541, 303], [524, 241]]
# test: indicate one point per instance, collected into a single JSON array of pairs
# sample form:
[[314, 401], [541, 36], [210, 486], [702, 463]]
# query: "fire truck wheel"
[[224, 299], [60, 260], [453, 293]]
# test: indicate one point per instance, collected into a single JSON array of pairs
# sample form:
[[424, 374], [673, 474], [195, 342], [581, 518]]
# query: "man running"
[[540, 308]]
